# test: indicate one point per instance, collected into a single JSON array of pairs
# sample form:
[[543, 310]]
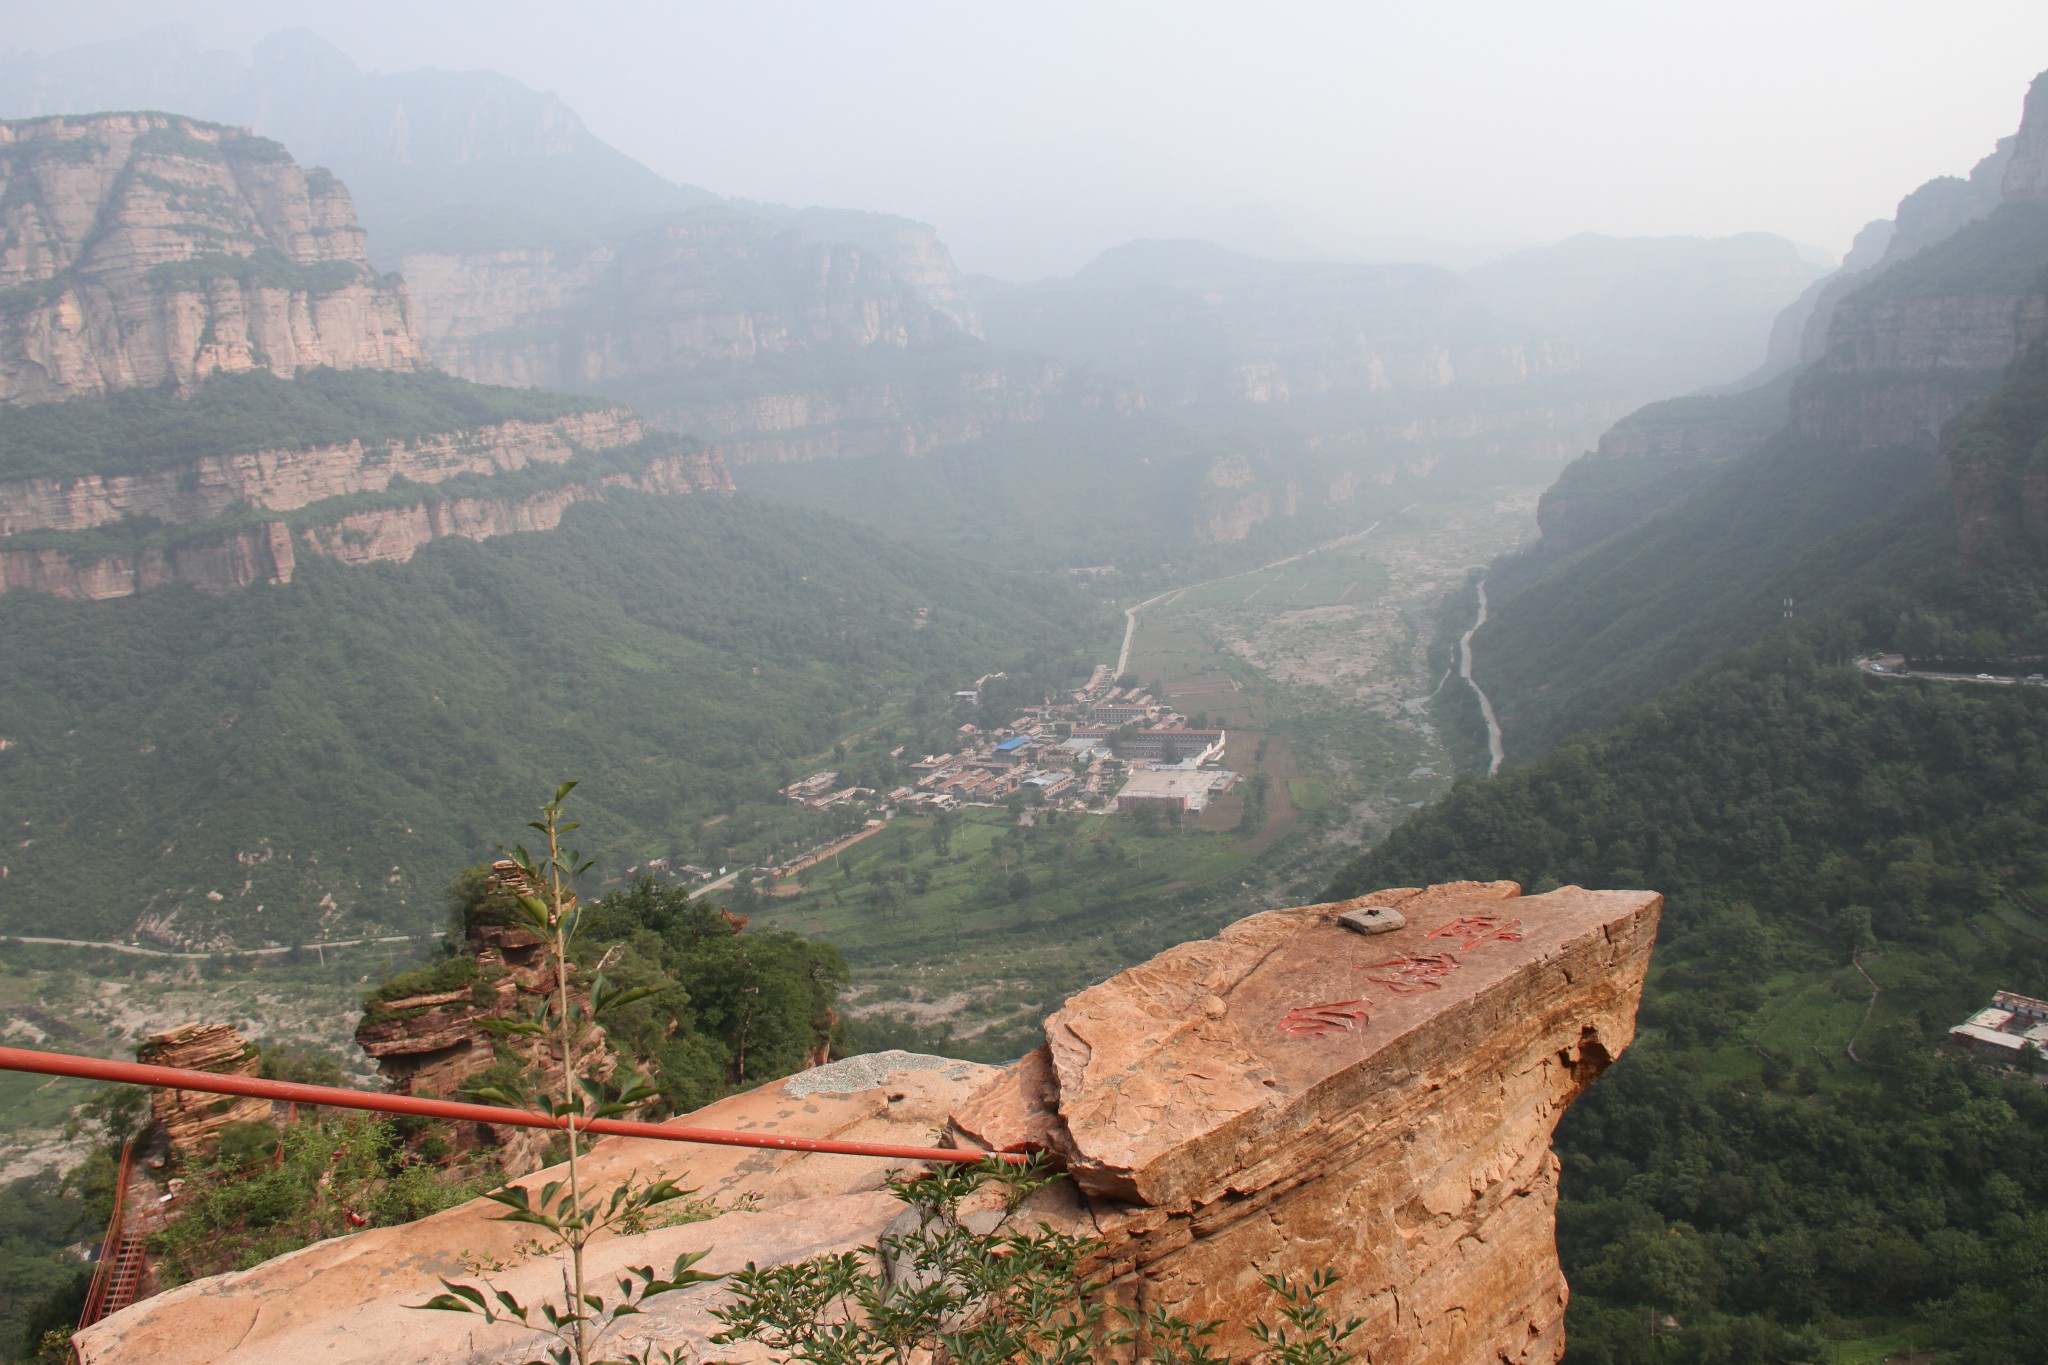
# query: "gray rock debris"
[[867, 1072]]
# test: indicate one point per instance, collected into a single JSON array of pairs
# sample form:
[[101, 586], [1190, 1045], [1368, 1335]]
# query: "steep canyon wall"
[[147, 249]]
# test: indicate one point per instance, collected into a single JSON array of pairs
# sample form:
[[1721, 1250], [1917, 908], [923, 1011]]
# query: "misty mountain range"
[[443, 162]]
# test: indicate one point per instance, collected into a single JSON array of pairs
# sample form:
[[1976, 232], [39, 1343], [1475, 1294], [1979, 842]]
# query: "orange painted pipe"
[[336, 1097]]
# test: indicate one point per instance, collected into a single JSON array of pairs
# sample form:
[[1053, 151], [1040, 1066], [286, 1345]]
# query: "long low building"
[[1181, 790], [1171, 746]]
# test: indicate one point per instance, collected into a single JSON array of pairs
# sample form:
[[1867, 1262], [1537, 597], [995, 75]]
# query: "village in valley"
[[1106, 747]]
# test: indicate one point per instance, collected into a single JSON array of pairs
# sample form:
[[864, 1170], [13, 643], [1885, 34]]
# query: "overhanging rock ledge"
[[1284, 1097]]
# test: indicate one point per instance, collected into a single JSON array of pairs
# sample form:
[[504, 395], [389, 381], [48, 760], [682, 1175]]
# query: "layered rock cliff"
[[267, 552], [783, 336], [192, 1121], [145, 249], [202, 523], [701, 287], [1924, 319], [1287, 1097], [283, 480]]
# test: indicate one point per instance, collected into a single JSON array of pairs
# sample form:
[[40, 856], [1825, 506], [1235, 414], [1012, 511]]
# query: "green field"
[[1005, 918]]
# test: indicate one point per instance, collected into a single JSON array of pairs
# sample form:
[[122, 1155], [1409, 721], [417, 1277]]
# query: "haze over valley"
[[936, 626]]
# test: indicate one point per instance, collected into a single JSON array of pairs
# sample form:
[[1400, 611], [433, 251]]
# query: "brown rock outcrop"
[[192, 1119], [142, 249], [435, 1043], [1285, 1097]]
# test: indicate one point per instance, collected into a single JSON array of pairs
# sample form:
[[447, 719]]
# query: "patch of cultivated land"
[[1330, 654]]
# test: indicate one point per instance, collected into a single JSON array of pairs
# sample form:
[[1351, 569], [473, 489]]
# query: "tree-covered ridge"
[[1766, 1164], [1617, 623], [138, 430], [732, 1006], [1996, 457], [171, 748]]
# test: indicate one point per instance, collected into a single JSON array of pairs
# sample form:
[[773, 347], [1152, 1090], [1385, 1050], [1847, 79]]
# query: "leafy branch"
[[545, 902]]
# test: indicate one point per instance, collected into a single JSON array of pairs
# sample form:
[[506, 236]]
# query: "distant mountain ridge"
[[427, 153], [1692, 526], [535, 255], [1619, 297]]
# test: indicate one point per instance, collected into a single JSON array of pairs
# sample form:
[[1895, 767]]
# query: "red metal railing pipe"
[[214, 1083]]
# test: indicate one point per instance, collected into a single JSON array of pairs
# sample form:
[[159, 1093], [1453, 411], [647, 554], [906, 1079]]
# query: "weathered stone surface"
[[193, 1119], [342, 1301], [1373, 919], [141, 249], [1410, 1151], [1286, 1097]]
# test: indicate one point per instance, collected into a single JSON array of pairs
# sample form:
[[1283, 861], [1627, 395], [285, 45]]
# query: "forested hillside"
[[318, 758], [1853, 862], [1688, 531]]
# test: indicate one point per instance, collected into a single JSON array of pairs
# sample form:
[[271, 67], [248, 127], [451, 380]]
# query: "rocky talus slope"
[[144, 249], [1284, 1097]]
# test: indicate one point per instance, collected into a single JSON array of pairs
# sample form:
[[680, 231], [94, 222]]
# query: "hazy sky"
[[1034, 134]]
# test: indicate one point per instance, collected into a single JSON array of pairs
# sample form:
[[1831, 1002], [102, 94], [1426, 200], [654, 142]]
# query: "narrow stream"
[[1496, 751]]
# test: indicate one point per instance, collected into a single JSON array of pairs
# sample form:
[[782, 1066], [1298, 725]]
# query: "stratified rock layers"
[[1286, 1097], [144, 249], [290, 481], [191, 1119], [1290, 1096]]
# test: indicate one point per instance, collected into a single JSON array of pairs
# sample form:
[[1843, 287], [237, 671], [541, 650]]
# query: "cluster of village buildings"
[[2013, 1027], [1102, 747]]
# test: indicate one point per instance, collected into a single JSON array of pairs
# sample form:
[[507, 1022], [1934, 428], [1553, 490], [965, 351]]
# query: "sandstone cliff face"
[[707, 286], [268, 553], [1900, 349], [193, 1121], [2026, 175], [282, 480], [783, 336], [1286, 1097], [226, 486], [435, 1044], [1896, 369], [143, 249]]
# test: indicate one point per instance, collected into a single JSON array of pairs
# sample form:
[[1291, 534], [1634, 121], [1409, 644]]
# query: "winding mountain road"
[[134, 951]]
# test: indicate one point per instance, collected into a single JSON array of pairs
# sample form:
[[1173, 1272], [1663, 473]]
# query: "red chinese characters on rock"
[[1402, 976], [1478, 929], [1408, 975], [1321, 1021]]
